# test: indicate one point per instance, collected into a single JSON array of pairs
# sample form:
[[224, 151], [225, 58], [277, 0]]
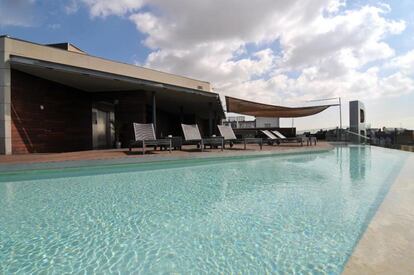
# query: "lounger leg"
[[245, 147], [222, 144], [143, 147], [170, 146], [202, 146], [261, 145]]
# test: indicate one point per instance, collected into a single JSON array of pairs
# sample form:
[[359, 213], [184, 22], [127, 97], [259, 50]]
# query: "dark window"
[[361, 116]]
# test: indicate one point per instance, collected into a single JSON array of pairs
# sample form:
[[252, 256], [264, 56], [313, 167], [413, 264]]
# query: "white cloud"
[[354, 34], [104, 8], [303, 49], [403, 63]]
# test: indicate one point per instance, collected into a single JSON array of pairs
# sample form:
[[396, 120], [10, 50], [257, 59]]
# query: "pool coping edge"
[[384, 247]]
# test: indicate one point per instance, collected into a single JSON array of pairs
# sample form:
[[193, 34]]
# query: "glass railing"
[[344, 135]]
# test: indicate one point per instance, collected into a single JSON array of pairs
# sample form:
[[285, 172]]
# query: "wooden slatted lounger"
[[229, 137], [192, 135], [282, 138], [145, 136]]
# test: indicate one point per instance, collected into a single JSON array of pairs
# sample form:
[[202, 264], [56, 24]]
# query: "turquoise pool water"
[[292, 214]]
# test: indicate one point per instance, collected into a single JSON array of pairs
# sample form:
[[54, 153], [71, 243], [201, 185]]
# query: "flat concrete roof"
[[18, 47], [94, 74]]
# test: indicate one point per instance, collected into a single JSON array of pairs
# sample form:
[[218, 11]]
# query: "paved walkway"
[[387, 246], [188, 151]]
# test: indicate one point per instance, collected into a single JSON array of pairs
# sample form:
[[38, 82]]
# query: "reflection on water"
[[359, 161], [355, 159]]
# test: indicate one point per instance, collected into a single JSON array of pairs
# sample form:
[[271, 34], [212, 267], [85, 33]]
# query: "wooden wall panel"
[[63, 125]]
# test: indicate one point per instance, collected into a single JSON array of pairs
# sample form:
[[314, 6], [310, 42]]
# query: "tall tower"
[[357, 118]]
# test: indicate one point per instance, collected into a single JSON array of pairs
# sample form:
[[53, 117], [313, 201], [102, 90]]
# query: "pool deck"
[[387, 246], [11, 163]]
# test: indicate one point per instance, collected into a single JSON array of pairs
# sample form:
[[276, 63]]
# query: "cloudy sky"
[[272, 51]]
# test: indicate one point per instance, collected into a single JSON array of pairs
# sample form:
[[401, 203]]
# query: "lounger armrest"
[[253, 140], [150, 142], [213, 140]]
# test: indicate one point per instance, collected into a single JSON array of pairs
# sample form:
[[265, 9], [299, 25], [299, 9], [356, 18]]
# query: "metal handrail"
[[356, 134]]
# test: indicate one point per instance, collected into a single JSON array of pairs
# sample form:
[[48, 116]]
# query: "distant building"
[[391, 137], [405, 138], [357, 117], [239, 122], [267, 122]]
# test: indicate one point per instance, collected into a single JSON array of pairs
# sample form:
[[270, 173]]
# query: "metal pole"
[[154, 111], [340, 113]]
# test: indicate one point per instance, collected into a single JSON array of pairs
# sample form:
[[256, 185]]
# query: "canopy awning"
[[245, 107]]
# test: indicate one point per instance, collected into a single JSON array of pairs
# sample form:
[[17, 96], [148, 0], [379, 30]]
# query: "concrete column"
[[5, 100], [154, 111]]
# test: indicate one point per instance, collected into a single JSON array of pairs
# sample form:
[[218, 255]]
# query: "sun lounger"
[[229, 137], [145, 136], [270, 137], [192, 135], [282, 138]]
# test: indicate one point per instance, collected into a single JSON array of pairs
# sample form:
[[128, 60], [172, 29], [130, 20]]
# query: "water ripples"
[[299, 214]]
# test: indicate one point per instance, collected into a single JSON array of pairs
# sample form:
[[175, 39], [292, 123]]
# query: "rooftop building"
[[57, 98]]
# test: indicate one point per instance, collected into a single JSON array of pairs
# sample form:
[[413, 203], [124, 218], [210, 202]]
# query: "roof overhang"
[[240, 106], [168, 96], [17, 47]]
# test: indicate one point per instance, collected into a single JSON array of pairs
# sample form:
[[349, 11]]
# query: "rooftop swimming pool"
[[276, 214]]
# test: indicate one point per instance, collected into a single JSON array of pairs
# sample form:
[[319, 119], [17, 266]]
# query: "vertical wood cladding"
[[62, 125]]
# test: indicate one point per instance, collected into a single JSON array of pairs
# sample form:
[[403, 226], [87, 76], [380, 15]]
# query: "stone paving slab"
[[107, 157], [387, 246]]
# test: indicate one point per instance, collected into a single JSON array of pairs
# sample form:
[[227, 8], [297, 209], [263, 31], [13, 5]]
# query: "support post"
[[154, 111], [5, 99], [340, 113], [210, 119]]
